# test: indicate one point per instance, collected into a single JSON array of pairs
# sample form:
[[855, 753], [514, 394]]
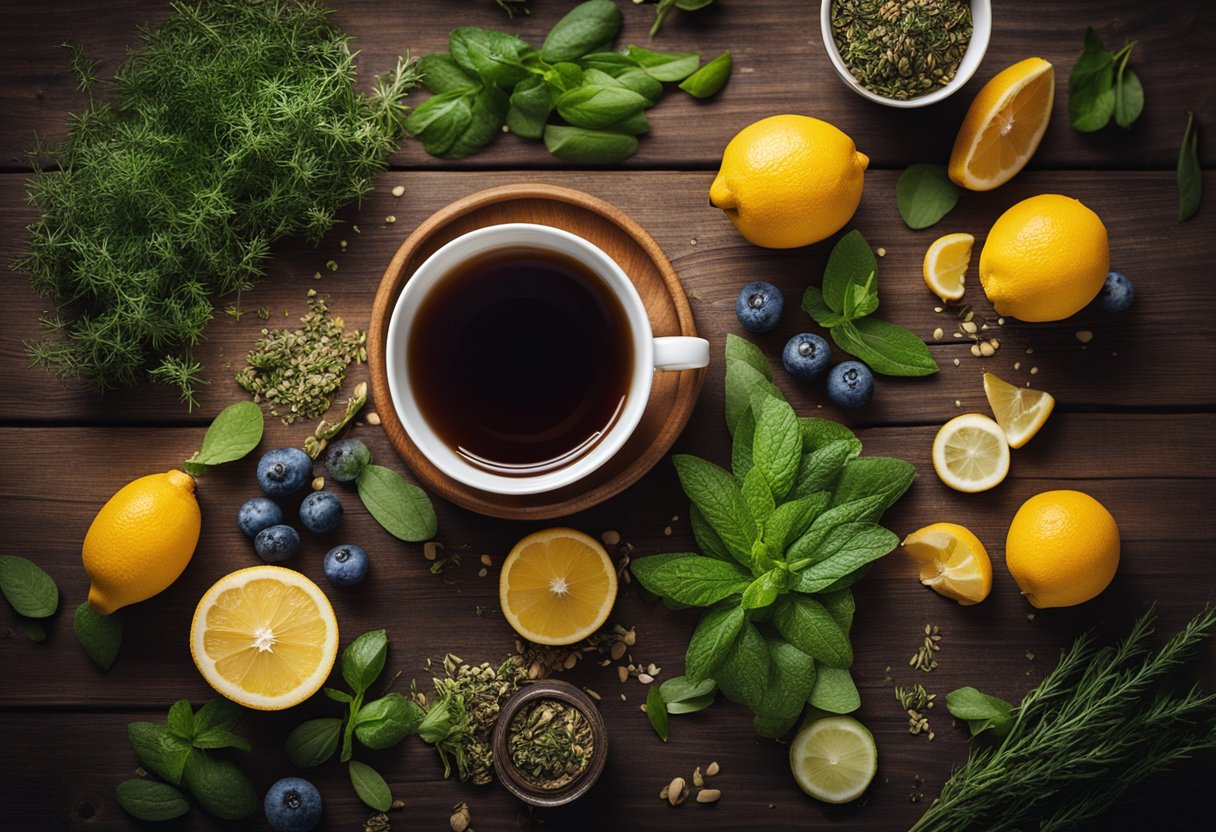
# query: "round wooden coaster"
[[672, 396]]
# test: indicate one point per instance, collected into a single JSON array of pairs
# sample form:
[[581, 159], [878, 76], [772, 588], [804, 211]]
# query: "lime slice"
[[834, 759]]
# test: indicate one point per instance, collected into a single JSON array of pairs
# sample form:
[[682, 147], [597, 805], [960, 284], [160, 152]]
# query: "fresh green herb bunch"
[[234, 124], [783, 537], [1101, 721]]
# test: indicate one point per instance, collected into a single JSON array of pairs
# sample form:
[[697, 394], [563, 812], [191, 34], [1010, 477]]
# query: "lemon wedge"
[[1019, 411], [953, 562], [557, 586], [1004, 125], [265, 637], [970, 453], [834, 759], [946, 263]]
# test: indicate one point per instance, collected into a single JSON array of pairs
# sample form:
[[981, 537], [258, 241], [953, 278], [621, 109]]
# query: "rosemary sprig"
[[1101, 721]]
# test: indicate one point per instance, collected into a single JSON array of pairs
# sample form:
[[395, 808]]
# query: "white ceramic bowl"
[[981, 31]]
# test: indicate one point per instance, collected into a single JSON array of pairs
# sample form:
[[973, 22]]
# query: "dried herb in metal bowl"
[[550, 743]]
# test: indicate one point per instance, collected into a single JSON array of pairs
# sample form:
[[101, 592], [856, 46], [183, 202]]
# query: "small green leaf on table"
[[181, 720], [363, 660], [887, 348], [441, 74], [834, 690], [586, 27], [707, 81], [384, 722], [234, 432], [219, 786], [30, 590], [688, 578], [980, 710], [1190, 174], [401, 507], [151, 801], [851, 262], [588, 147], [1091, 94], [370, 786], [656, 712], [665, 66], [925, 194], [712, 640], [313, 742]]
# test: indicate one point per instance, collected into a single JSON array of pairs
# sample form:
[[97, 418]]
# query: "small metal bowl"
[[512, 779], [981, 31]]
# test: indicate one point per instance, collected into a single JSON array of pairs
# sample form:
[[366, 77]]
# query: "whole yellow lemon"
[[789, 181], [1062, 548], [141, 540], [1044, 259]]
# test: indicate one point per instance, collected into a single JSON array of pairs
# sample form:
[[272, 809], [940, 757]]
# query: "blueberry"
[[850, 385], [284, 471], [1116, 294], [276, 543], [806, 356], [759, 306], [321, 511], [346, 565], [257, 514], [293, 805], [346, 460]]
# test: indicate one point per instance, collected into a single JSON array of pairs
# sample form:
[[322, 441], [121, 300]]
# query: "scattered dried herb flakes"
[[299, 371]]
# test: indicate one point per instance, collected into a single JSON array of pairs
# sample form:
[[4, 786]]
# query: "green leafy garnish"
[[234, 432], [99, 635], [709, 79], [1101, 86], [27, 587], [925, 194], [1190, 174], [370, 786], [656, 712], [980, 711], [150, 800], [783, 535], [401, 507], [848, 296]]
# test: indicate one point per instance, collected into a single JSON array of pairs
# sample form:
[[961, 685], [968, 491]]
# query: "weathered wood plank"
[[1158, 355], [780, 66]]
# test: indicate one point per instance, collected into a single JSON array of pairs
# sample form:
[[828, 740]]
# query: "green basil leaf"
[[689, 578], [363, 660], [441, 74], [386, 721], [682, 689], [1129, 93], [313, 742], [712, 640], [30, 590], [487, 112], [707, 539], [595, 106], [665, 66], [873, 476], [584, 28], [219, 786], [925, 194], [741, 349], [758, 498], [834, 691], [151, 801], [157, 750], [636, 124], [807, 624], [887, 348], [437, 722], [692, 5], [818, 432], [370, 786], [402, 508], [181, 719], [589, 147], [980, 711], [714, 492], [819, 469], [494, 56], [219, 738], [530, 105], [764, 590], [840, 606], [742, 382], [744, 673], [851, 262], [1091, 96], [338, 695], [611, 63], [741, 445], [656, 712], [99, 635], [845, 550], [635, 78], [441, 120], [707, 81], [791, 520], [234, 432], [777, 447], [221, 714], [1190, 174]]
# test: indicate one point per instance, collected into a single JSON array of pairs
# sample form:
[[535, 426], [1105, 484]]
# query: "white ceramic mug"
[[649, 354]]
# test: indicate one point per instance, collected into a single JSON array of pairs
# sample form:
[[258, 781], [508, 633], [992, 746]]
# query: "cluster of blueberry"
[[806, 356], [293, 805], [287, 471]]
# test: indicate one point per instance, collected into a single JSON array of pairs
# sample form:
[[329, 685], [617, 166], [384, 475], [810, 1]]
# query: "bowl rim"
[[981, 34]]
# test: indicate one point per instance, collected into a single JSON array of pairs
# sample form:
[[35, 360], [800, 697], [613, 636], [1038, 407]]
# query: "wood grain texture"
[[1134, 361], [672, 394], [780, 66]]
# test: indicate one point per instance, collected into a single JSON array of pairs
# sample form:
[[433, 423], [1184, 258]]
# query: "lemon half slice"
[[953, 562], [970, 453], [265, 637], [557, 586], [834, 759], [1019, 411], [946, 263]]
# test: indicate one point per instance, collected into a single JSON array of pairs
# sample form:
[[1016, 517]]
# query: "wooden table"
[[1133, 426]]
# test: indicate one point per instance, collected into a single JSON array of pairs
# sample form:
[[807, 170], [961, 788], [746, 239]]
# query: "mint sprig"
[[849, 295], [783, 535]]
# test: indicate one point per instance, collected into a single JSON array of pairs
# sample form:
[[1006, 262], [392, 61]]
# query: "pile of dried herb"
[[234, 124], [902, 48], [550, 743], [299, 371]]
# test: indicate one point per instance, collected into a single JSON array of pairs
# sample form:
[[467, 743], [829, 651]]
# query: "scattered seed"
[[983, 327], [1085, 336], [712, 768], [667, 530], [1030, 350], [1029, 656], [611, 538], [986, 350], [958, 403], [373, 418], [675, 791], [938, 333], [399, 190], [968, 327], [663, 792], [1034, 371], [881, 252], [571, 661], [956, 362], [318, 483], [618, 650], [486, 560], [342, 244], [1000, 321], [938, 309], [430, 550], [460, 817], [697, 779], [390, 219], [645, 678], [630, 637], [593, 694], [958, 335], [1017, 365], [622, 673], [712, 795], [534, 670], [975, 350]]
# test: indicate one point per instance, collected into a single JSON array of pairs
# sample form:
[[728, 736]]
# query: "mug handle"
[[680, 352]]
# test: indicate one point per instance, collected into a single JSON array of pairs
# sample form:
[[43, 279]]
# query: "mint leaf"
[[714, 638], [807, 624], [313, 742], [855, 511], [763, 591], [218, 714], [682, 689], [851, 263], [384, 722], [777, 445], [219, 786], [980, 711], [151, 801], [742, 381], [656, 712], [813, 304], [773, 727], [221, 738], [887, 349], [925, 194], [363, 659], [30, 590], [820, 468], [790, 521], [847, 549], [691, 706], [741, 349], [99, 635], [742, 445], [757, 495], [818, 432], [234, 432], [707, 539], [718, 497], [370, 786], [157, 750], [840, 606], [791, 677], [1129, 93], [181, 719], [744, 673], [1190, 174], [860, 299], [690, 578], [401, 507], [874, 476], [1091, 97], [834, 691]]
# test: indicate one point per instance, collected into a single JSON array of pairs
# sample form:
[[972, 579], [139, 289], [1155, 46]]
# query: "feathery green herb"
[[232, 125], [1100, 722]]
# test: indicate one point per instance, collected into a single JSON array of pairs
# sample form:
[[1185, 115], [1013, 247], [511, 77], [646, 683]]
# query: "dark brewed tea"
[[520, 360]]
